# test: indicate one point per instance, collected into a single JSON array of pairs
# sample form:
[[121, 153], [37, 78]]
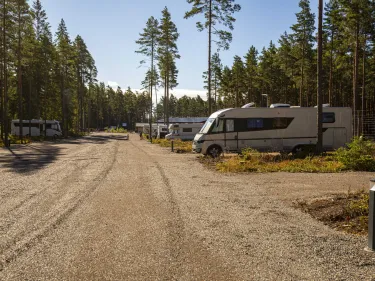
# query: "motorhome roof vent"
[[276, 105], [249, 105]]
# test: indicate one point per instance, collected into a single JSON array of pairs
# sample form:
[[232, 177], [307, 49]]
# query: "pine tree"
[[215, 12], [303, 37], [251, 65], [22, 20], [168, 53], [148, 43], [216, 72], [238, 80], [65, 63]]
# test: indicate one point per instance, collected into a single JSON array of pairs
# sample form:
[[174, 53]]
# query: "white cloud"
[[113, 84]]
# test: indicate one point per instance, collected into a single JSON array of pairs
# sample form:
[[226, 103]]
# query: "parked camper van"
[[162, 131], [146, 129], [183, 131], [36, 128], [279, 129]]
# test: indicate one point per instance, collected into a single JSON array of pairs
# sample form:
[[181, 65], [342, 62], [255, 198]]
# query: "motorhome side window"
[[255, 123], [187, 130], [218, 127], [329, 117], [261, 124], [229, 125]]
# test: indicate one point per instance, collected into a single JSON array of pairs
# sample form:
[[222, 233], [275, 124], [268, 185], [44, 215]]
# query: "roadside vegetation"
[[178, 145], [345, 212], [359, 155], [118, 130]]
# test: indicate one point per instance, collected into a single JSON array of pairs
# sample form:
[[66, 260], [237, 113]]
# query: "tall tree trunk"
[[330, 85], [319, 144], [151, 84], [5, 79], [209, 56], [363, 83], [355, 79], [302, 70], [19, 73]]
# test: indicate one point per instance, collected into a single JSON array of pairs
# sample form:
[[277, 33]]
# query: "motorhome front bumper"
[[196, 148]]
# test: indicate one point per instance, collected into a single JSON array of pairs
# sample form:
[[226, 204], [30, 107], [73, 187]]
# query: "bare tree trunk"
[[209, 56], [363, 83], [302, 70], [330, 86], [5, 118], [319, 144], [355, 79], [19, 73]]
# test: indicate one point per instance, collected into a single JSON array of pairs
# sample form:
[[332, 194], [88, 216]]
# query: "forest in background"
[[45, 74]]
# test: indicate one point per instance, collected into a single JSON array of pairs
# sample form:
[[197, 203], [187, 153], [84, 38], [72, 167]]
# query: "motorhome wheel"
[[214, 151]]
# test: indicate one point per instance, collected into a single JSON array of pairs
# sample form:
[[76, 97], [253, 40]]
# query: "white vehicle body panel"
[[37, 128], [273, 129], [183, 131]]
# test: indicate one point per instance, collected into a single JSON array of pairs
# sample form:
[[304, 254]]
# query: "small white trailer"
[[37, 128], [278, 129], [183, 131]]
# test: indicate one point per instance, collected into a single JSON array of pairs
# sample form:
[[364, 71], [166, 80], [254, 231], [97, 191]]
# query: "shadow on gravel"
[[30, 158]]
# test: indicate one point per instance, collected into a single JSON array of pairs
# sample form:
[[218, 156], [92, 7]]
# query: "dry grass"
[[252, 161], [346, 212], [179, 145]]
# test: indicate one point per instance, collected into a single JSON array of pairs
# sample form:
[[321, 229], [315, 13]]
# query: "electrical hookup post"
[[371, 218]]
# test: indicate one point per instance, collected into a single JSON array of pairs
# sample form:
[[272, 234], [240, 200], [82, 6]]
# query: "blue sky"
[[111, 27]]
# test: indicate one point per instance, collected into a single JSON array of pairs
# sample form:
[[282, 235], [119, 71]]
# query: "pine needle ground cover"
[[359, 155]]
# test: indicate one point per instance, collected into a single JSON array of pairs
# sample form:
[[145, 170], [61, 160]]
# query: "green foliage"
[[251, 160], [178, 145], [117, 130], [358, 156]]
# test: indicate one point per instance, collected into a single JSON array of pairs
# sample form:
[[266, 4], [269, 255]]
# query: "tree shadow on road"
[[30, 158]]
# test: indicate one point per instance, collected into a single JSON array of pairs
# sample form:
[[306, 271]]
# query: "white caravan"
[[278, 129], [37, 128], [162, 131], [146, 129], [183, 131]]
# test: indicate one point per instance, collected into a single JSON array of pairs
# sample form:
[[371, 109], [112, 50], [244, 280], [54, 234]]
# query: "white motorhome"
[[279, 129], [183, 131], [36, 128], [162, 131], [146, 129]]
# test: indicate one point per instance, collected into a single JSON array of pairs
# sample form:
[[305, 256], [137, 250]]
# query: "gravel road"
[[104, 208]]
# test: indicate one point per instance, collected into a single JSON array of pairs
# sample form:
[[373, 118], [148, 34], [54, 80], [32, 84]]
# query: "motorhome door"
[[231, 137]]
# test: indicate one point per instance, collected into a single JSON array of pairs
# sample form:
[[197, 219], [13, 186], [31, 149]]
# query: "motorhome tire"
[[55, 137], [214, 151]]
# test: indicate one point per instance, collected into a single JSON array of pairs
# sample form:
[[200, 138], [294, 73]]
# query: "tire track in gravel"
[[23, 244], [175, 223], [28, 200]]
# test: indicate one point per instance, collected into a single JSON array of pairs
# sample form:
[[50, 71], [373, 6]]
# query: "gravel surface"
[[104, 208]]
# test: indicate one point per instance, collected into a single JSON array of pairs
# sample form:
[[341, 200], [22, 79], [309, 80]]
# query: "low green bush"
[[118, 130], [358, 156]]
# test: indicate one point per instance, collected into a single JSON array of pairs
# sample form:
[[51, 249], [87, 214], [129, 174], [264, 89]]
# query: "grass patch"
[[345, 212], [179, 145], [253, 161], [118, 130], [359, 155]]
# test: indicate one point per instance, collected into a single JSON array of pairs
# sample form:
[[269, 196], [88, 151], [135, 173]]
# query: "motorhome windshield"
[[206, 127]]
